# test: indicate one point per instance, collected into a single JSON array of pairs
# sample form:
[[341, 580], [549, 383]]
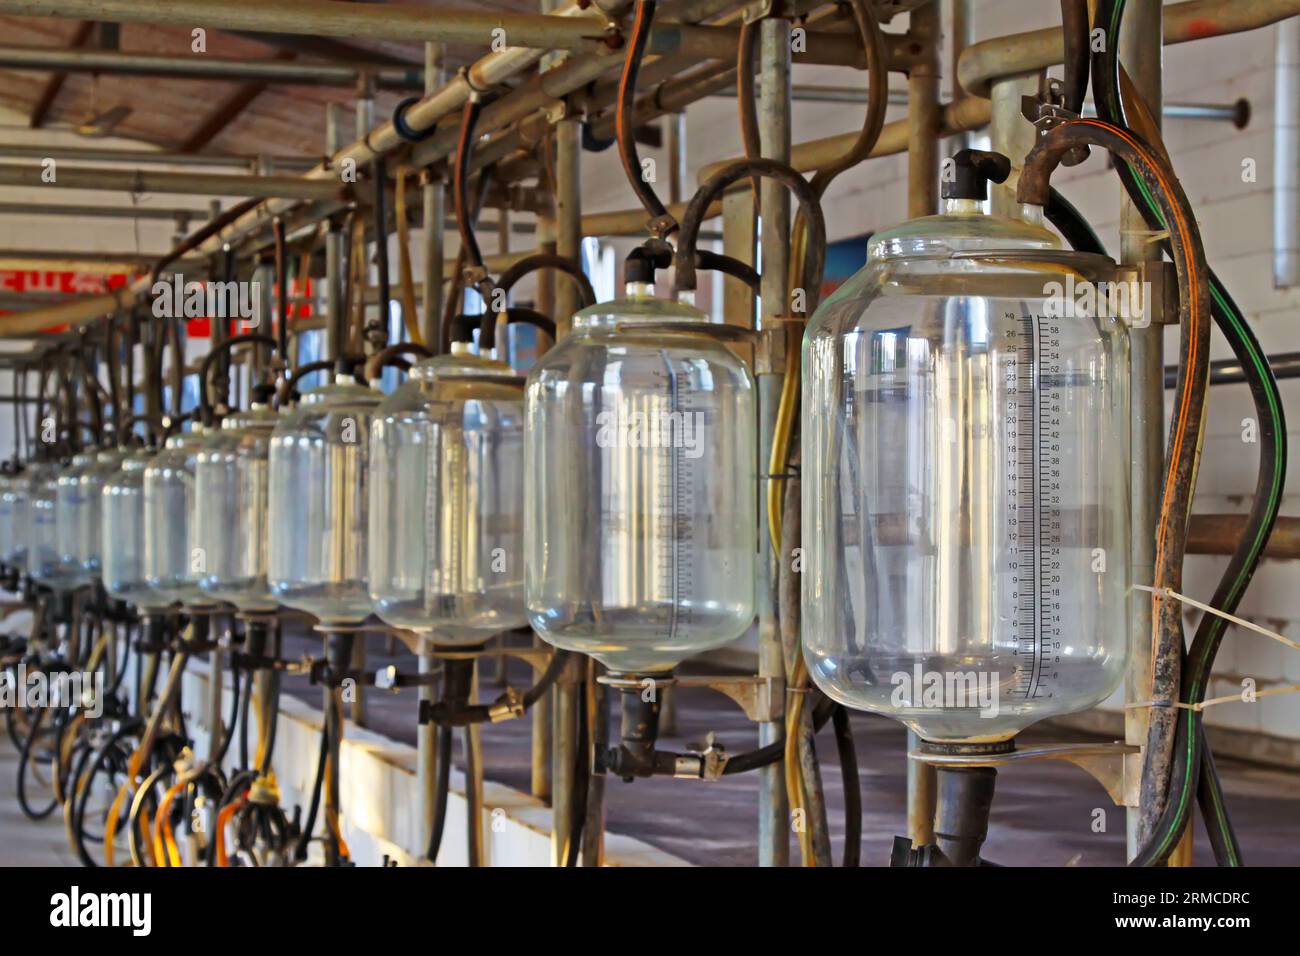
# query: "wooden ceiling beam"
[[45, 102], [227, 112]]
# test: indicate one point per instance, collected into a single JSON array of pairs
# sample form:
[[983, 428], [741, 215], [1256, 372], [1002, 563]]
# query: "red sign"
[[56, 281]]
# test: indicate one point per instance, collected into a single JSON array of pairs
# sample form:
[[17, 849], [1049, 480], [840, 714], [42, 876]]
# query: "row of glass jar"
[[640, 546]]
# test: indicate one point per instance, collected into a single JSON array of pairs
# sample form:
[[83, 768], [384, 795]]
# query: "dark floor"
[[1044, 812]]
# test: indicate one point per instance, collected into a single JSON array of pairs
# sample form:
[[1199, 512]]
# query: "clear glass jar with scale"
[[123, 524], [76, 518], [966, 480], [231, 478], [640, 504], [446, 500], [43, 561], [318, 503], [173, 565], [14, 491]]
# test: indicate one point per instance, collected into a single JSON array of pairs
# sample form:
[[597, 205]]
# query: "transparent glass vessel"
[[123, 524], [640, 504], [966, 480], [14, 491], [317, 504], [447, 500], [44, 563], [231, 477], [172, 561], [76, 518], [90, 545]]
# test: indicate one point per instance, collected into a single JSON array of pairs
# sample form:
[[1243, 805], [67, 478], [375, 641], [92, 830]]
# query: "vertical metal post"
[[474, 781], [738, 237], [593, 831], [774, 204], [923, 119], [546, 278], [498, 673], [1011, 135], [334, 334], [365, 119], [568, 213], [426, 751], [1141, 44], [433, 194], [541, 749], [564, 757], [215, 680]]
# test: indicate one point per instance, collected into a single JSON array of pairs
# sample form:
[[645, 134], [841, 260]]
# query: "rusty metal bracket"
[[1158, 276], [761, 698], [1116, 766]]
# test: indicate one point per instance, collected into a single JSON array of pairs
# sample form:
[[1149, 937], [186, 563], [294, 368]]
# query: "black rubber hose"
[[304, 838], [852, 786], [243, 722], [549, 260], [281, 292], [624, 115], [775, 751], [453, 714], [728, 265], [380, 174], [105, 754], [205, 368], [714, 186], [1074, 23], [442, 789], [25, 763], [517, 313], [464, 216], [1209, 794], [392, 355], [229, 734], [581, 781]]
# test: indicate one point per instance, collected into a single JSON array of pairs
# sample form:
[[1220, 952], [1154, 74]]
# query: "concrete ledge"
[[380, 796]]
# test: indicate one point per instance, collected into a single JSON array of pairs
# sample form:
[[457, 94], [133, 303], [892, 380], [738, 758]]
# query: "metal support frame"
[[1142, 52], [568, 213], [115, 63], [924, 120], [335, 336], [433, 195], [774, 202]]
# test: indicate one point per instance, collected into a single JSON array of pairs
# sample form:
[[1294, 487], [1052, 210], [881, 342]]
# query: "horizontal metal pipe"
[[149, 181], [981, 63], [1237, 113], [1230, 372], [102, 212], [114, 63], [1219, 534], [83, 154], [967, 113], [63, 261], [411, 22]]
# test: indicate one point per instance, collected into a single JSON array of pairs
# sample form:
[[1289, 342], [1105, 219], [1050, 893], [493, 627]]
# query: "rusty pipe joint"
[[636, 755]]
